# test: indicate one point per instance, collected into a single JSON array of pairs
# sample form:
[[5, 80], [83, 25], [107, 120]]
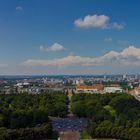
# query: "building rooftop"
[[137, 88], [97, 86]]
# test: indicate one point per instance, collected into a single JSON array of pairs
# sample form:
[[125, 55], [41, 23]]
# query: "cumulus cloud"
[[55, 47], [97, 21], [19, 8], [92, 21], [128, 56]]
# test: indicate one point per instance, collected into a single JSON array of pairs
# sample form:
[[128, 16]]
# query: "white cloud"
[[19, 8], [97, 21], [128, 56], [113, 62], [109, 39], [55, 47], [92, 21], [116, 25]]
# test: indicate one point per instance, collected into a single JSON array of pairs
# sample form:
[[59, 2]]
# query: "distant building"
[[113, 89], [79, 82], [22, 90], [114, 85], [22, 84], [90, 89], [124, 76]]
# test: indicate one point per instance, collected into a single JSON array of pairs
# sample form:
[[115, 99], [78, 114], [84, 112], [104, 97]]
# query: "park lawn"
[[85, 136], [110, 109]]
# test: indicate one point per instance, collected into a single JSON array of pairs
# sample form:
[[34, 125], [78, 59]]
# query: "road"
[[69, 128], [69, 124], [69, 103], [70, 135], [135, 95]]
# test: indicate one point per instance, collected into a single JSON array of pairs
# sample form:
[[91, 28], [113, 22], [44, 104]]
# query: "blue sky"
[[69, 36]]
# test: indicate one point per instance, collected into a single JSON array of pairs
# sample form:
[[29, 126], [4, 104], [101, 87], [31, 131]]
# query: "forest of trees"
[[45, 131], [27, 111], [110, 115], [25, 116]]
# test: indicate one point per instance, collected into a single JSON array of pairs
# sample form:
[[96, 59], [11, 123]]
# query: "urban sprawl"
[[76, 84]]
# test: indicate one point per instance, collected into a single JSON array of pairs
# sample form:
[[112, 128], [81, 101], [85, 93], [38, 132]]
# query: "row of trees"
[[45, 131], [116, 132], [19, 111], [108, 111]]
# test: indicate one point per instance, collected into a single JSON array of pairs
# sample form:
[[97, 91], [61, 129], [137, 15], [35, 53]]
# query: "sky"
[[40, 37]]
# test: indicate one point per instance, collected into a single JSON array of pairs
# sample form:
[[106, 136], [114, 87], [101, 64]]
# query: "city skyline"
[[69, 37]]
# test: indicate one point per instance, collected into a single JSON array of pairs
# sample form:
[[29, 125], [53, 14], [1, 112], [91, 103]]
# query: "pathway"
[[69, 128], [70, 135]]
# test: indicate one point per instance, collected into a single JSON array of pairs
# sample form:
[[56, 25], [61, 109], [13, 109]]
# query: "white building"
[[22, 84], [124, 76], [113, 90]]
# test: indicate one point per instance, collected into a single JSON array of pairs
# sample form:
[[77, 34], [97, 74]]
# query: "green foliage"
[[110, 115], [117, 132], [111, 110], [106, 123], [127, 106], [136, 123], [85, 136], [45, 131], [26, 110]]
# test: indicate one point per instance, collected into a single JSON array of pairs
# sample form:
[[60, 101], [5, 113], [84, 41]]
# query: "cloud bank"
[[97, 21], [113, 62], [128, 57]]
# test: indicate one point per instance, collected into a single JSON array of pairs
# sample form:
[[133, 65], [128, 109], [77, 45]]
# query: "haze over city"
[[69, 37]]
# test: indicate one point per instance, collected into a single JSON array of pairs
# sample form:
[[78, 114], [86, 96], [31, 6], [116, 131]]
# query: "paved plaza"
[[66, 124]]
